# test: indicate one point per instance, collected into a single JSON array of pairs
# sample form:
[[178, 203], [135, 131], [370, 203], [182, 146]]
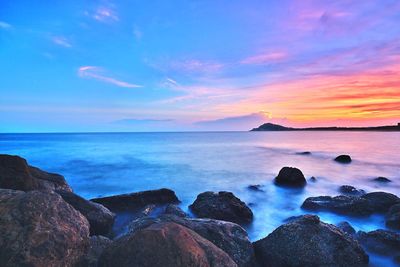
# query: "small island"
[[277, 127]]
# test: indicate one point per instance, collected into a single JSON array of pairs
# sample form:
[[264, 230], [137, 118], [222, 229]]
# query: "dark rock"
[[382, 180], [164, 244], [380, 241], [16, 174], [393, 217], [97, 244], [255, 187], [381, 202], [289, 176], [347, 228], [351, 190], [313, 179], [40, 229], [221, 206], [350, 205], [137, 200], [309, 242], [100, 218], [304, 153], [228, 236], [174, 210], [343, 159], [376, 202]]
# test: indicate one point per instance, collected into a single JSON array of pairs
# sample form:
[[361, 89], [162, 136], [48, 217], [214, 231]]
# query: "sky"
[[72, 66]]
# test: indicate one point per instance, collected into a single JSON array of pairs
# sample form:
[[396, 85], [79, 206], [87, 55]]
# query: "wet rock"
[[172, 209], [393, 217], [100, 218], [347, 228], [15, 173], [309, 242], [97, 245], [350, 205], [255, 187], [40, 229], [375, 202], [313, 179], [228, 236], [380, 241], [221, 206], [304, 153], [343, 159], [351, 190], [382, 180], [381, 202], [289, 176], [164, 244], [137, 200]]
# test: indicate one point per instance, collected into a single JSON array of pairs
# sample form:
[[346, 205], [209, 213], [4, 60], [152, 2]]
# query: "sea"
[[104, 164]]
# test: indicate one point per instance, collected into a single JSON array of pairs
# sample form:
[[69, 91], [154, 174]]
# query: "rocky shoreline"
[[44, 223]]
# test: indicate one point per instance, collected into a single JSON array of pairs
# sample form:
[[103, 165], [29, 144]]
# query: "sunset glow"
[[124, 66]]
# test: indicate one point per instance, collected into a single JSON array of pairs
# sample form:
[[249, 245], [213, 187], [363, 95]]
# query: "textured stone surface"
[[289, 176]]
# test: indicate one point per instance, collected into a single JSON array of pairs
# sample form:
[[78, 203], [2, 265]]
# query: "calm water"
[[190, 163]]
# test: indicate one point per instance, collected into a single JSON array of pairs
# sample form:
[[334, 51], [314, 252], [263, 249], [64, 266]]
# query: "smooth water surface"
[[102, 164]]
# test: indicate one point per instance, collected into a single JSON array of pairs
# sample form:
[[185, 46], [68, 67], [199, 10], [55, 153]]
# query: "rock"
[[100, 218], [309, 242], [255, 187], [228, 236], [380, 241], [174, 210], [40, 229], [304, 153], [393, 217], [349, 205], [164, 244], [382, 180], [347, 228], [351, 190], [289, 176], [221, 206], [16, 174], [313, 179], [97, 245], [343, 159], [381, 202], [375, 202], [137, 200]]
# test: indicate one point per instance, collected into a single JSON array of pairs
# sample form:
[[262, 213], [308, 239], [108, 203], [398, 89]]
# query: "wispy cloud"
[[105, 14], [5, 25], [96, 73], [265, 58], [61, 41], [135, 121]]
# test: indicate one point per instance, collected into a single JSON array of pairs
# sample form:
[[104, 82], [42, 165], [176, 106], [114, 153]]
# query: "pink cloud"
[[265, 58], [95, 73]]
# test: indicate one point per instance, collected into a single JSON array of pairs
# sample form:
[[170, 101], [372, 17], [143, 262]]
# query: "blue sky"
[[197, 65]]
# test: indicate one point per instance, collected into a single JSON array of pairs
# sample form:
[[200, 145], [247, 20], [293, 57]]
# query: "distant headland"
[[276, 127]]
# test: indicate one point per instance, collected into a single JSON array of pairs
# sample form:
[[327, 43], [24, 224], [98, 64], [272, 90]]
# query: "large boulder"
[[164, 244], [309, 242], [16, 174], [221, 206], [40, 229], [345, 159], [228, 236], [349, 205], [393, 217], [375, 202], [138, 200], [100, 218], [381, 241], [381, 202], [351, 190], [97, 244], [289, 176]]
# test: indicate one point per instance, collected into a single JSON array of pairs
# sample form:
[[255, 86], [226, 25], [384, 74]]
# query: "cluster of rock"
[[43, 223]]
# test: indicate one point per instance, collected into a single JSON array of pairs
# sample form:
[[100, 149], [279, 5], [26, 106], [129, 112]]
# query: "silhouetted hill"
[[276, 127]]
